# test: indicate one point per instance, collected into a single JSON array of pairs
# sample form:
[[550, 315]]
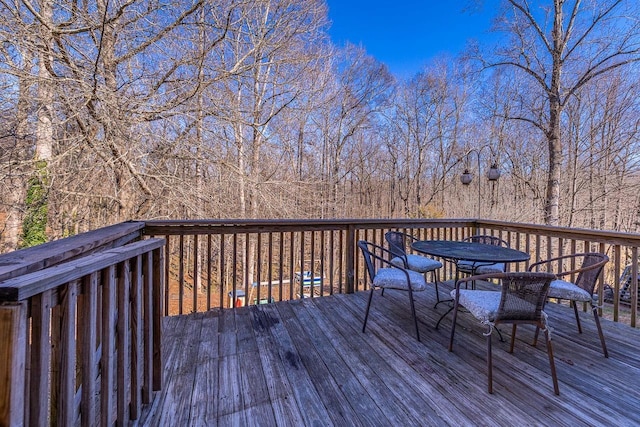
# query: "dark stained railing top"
[[156, 227], [601, 236], [25, 286], [28, 260]]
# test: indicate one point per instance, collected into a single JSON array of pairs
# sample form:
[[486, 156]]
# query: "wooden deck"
[[307, 363]]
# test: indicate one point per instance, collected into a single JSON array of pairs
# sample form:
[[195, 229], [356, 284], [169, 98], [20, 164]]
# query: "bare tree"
[[562, 46], [359, 93]]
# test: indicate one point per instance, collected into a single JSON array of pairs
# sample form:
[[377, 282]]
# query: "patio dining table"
[[455, 250]]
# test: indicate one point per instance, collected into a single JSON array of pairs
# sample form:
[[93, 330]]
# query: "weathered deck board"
[[204, 406], [307, 362]]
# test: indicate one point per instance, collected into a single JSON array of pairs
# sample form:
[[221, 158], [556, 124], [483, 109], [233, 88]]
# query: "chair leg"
[[552, 363], [413, 313], [575, 310], [535, 337], [435, 282], [366, 314], [597, 320], [453, 325], [513, 337], [489, 364]]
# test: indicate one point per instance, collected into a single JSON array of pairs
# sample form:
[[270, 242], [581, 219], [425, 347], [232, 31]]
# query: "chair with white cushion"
[[520, 301], [579, 290], [471, 267], [384, 275], [398, 243]]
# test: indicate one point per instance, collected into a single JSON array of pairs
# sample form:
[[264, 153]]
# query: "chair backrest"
[[374, 255], [587, 274], [487, 240], [397, 243], [523, 296], [592, 265], [366, 253]]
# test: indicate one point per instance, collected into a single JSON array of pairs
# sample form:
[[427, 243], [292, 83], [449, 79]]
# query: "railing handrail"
[[600, 236], [204, 226], [156, 227], [22, 287], [29, 260]]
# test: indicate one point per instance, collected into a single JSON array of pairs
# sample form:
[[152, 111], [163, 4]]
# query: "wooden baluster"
[[40, 359], [136, 338], [13, 336], [107, 369], [87, 335], [122, 346]]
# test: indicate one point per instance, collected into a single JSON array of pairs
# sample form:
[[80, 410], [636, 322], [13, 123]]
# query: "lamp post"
[[467, 177]]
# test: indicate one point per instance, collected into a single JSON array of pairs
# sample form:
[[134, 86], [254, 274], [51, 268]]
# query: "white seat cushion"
[[465, 265], [490, 268], [483, 305], [418, 263], [480, 267], [394, 278], [566, 290]]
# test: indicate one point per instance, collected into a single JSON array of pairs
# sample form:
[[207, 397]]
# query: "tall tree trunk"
[[555, 167], [552, 216], [35, 222]]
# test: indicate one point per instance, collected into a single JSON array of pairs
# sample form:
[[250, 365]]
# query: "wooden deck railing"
[[222, 263], [81, 339], [81, 316], [225, 263]]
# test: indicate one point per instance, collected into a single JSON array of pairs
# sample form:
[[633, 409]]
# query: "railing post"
[[158, 286], [351, 258], [13, 336]]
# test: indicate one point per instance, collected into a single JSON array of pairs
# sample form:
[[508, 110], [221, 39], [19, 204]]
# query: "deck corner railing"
[[81, 339]]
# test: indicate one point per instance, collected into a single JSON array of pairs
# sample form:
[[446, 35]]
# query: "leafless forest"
[[136, 109]]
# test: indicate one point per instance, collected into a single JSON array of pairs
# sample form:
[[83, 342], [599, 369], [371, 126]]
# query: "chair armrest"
[[535, 266], [389, 255]]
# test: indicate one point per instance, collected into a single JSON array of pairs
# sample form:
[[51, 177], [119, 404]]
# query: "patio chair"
[[384, 275], [580, 290], [398, 243], [472, 267], [520, 301]]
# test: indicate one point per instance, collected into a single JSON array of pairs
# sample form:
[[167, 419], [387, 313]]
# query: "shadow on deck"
[[306, 362]]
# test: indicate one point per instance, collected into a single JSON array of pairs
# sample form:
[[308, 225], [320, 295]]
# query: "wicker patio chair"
[[520, 301], [580, 290], [384, 275], [398, 243]]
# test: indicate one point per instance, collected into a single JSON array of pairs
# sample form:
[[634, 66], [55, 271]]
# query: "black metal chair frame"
[[398, 248], [377, 255]]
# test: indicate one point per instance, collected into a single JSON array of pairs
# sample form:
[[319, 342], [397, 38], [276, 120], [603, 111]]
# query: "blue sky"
[[407, 34]]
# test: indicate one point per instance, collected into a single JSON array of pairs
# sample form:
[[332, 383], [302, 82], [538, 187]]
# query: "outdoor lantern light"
[[494, 173], [466, 177]]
